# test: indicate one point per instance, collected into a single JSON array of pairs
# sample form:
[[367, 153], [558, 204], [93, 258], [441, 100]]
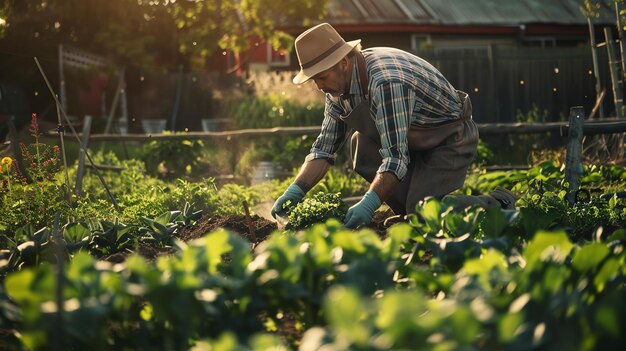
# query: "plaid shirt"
[[404, 90]]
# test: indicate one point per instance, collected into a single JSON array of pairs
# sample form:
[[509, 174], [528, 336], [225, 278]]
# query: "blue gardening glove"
[[293, 194], [361, 213]]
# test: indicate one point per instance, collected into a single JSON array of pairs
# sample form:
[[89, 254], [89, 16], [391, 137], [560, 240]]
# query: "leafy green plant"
[[112, 238], [35, 202], [77, 235], [160, 230], [172, 159], [316, 209], [347, 183]]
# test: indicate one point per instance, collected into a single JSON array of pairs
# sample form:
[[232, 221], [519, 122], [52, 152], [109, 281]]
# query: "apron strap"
[[360, 61]]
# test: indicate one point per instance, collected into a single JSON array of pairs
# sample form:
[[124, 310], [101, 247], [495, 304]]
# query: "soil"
[[261, 229]]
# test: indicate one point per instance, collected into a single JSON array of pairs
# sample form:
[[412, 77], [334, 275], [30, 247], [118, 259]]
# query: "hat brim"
[[307, 73]]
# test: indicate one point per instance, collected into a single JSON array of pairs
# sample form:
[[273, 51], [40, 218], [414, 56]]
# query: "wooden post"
[[491, 53], [573, 163], [80, 172], [620, 32], [124, 106], [179, 84], [62, 91], [614, 66], [596, 69], [116, 97], [15, 149]]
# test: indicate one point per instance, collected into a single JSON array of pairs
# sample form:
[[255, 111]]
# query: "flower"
[[7, 161]]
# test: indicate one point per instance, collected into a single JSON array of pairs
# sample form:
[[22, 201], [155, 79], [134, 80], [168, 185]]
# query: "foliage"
[[347, 290], [348, 183], [174, 158], [232, 196], [285, 153], [275, 110], [35, 201], [316, 209], [147, 31], [484, 155], [525, 144]]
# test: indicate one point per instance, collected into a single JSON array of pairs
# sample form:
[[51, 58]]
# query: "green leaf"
[[264, 342], [348, 241], [494, 223], [344, 310], [589, 256], [146, 312], [76, 232], [619, 234], [431, 213], [492, 259], [609, 271], [163, 219], [547, 246], [398, 311], [216, 244], [608, 321], [397, 235], [509, 326], [534, 220]]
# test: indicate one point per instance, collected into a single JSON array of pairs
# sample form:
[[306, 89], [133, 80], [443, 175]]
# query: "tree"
[[157, 32]]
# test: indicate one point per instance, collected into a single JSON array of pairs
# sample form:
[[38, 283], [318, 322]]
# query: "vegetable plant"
[[316, 209]]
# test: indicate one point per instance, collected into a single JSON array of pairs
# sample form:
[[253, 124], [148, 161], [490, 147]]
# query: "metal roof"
[[462, 12]]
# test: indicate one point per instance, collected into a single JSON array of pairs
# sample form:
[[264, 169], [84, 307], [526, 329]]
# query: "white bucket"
[[153, 126], [263, 172], [210, 125]]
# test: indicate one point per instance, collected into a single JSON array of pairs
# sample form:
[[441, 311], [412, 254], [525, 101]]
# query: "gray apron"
[[439, 156]]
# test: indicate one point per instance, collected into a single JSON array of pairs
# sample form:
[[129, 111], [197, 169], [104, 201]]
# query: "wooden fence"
[[594, 127], [501, 81]]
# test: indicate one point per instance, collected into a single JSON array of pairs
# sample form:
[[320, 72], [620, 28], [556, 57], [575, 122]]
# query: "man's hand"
[[293, 195], [361, 213]]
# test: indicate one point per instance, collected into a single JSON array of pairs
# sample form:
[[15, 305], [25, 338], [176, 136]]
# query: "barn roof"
[[462, 12]]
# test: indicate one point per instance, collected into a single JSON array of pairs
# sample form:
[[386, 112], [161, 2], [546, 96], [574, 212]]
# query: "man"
[[413, 133]]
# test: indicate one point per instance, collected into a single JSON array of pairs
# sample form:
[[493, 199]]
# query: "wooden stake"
[[614, 66], [80, 172], [596, 69], [573, 163], [249, 219]]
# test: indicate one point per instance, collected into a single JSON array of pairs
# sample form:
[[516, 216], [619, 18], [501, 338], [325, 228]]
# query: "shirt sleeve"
[[331, 136], [393, 103]]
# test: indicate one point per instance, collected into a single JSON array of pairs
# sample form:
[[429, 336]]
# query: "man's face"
[[335, 80]]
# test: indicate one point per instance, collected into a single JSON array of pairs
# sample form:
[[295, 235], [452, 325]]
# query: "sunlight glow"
[[3, 22]]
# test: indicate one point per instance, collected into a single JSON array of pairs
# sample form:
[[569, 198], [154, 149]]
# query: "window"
[[420, 42], [277, 58]]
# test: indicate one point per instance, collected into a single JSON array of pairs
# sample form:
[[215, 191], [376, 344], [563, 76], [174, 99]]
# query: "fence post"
[[614, 65], [573, 163], [620, 32], [596, 69], [80, 172]]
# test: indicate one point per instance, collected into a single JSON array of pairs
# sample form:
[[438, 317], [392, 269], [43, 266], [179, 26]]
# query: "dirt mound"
[[262, 227]]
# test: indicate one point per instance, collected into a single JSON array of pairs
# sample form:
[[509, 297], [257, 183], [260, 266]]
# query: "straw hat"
[[318, 49]]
